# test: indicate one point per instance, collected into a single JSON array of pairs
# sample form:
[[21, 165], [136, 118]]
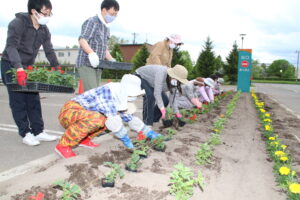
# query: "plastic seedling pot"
[[167, 123], [129, 169], [104, 183]]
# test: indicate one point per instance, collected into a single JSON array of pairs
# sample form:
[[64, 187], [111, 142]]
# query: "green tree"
[[183, 58], [231, 67], [219, 64], [205, 65], [257, 70], [281, 69], [139, 59]]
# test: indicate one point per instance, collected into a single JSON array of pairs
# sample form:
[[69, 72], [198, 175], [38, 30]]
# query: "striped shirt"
[[101, 100], [96, 33]]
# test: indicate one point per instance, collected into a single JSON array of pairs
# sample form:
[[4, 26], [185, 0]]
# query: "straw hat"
[[178, 72]]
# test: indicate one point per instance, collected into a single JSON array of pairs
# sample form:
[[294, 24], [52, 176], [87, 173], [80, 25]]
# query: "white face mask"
[[131, 99], [42, 20], [174, 82], [172, 46]]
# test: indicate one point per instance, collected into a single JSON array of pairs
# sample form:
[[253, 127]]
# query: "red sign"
[[245, 63]]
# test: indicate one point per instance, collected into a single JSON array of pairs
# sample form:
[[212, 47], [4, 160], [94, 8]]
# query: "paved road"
[[288, 95]]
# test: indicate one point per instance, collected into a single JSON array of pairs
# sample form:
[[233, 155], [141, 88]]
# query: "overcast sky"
[[271, 26]]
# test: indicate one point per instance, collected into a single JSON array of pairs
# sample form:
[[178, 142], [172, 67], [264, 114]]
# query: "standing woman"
[[156, 81], [27, 32], [162, 52]]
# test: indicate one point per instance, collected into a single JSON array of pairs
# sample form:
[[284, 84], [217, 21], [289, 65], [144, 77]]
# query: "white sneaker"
[[43, 136], [30, 140]]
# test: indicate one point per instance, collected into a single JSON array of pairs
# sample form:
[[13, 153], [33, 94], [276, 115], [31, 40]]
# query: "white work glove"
[[94, 59], [114, 123], [136, 124]]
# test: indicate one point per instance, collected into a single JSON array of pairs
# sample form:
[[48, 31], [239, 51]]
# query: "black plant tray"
[[39, 87], [104, 64]]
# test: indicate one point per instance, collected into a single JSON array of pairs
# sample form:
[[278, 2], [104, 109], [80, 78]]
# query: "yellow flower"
[[284, 171], [283, 146], [267, 115], [267, 120], [272, 138], [295, 188], [274, 143], [279, 153], [216, 130], [284, 158], [267, 127], [262, 110]]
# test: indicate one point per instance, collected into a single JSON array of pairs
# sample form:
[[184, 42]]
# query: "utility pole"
[[242, 35], [297, 63], [134, 36]]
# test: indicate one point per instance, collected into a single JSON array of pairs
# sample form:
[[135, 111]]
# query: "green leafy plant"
[[70, 191], [42, 75], [159, 143], [204, 154], [215, 139], [182, 182], [169, 114], [133, 163], [141, 146], [114, 173]]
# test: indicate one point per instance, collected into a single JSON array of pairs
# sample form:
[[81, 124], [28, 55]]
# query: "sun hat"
[[175, 38], [209, 82], [178, 72], [131, 84]]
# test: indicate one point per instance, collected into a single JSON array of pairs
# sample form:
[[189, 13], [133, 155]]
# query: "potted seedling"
[[168, 121], [133, 164], [159, 144], [70, 191], [109, 180], [141, 148]]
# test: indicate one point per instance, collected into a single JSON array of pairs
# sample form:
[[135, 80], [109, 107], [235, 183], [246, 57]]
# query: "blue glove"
[[152, 135], [127, 142]]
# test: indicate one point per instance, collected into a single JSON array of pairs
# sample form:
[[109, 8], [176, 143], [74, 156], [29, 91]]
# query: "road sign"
[[244, 70]]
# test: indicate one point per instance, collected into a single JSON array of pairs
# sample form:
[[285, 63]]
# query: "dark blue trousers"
[[25, 106], [151, 112]]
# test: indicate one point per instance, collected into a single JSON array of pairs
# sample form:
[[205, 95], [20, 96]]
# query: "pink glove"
[[196, 102], [163, 113], [178, 115]]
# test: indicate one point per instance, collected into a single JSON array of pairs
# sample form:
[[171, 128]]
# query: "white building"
[[64, 56]]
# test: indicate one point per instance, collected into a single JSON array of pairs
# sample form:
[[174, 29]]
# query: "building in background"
[[68, 56], [129, 50]]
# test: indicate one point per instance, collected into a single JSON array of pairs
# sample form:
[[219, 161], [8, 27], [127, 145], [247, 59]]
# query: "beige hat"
[[178, 72], [209, 82]]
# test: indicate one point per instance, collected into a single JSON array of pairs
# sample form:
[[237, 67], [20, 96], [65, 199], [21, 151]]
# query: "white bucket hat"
[[175, 38], [131, 85], [178, 72], [209, 82]]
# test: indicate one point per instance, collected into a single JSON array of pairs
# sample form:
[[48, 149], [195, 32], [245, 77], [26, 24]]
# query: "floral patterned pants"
[[79, 123]]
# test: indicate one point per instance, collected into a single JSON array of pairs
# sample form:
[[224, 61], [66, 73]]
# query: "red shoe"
[[65, 152], [88, 143]]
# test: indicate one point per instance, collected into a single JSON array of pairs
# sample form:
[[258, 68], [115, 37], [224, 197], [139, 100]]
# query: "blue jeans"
[[25, 106], [151, 112]]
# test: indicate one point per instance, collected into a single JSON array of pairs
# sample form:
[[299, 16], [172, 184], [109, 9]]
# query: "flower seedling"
[[170, 133], [168, 121], [70, 191], [133, 164], [200, 180], [109, 180], [39, 196], [141, 147], [204, 154], [182, 182], [159, 144], [214, 139]]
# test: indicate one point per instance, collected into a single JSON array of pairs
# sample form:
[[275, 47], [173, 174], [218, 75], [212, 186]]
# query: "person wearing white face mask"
[[26, 34], [105, 107], [162, 51], [93, 42]]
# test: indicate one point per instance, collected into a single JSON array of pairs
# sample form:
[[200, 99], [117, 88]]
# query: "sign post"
[[244, 70]]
